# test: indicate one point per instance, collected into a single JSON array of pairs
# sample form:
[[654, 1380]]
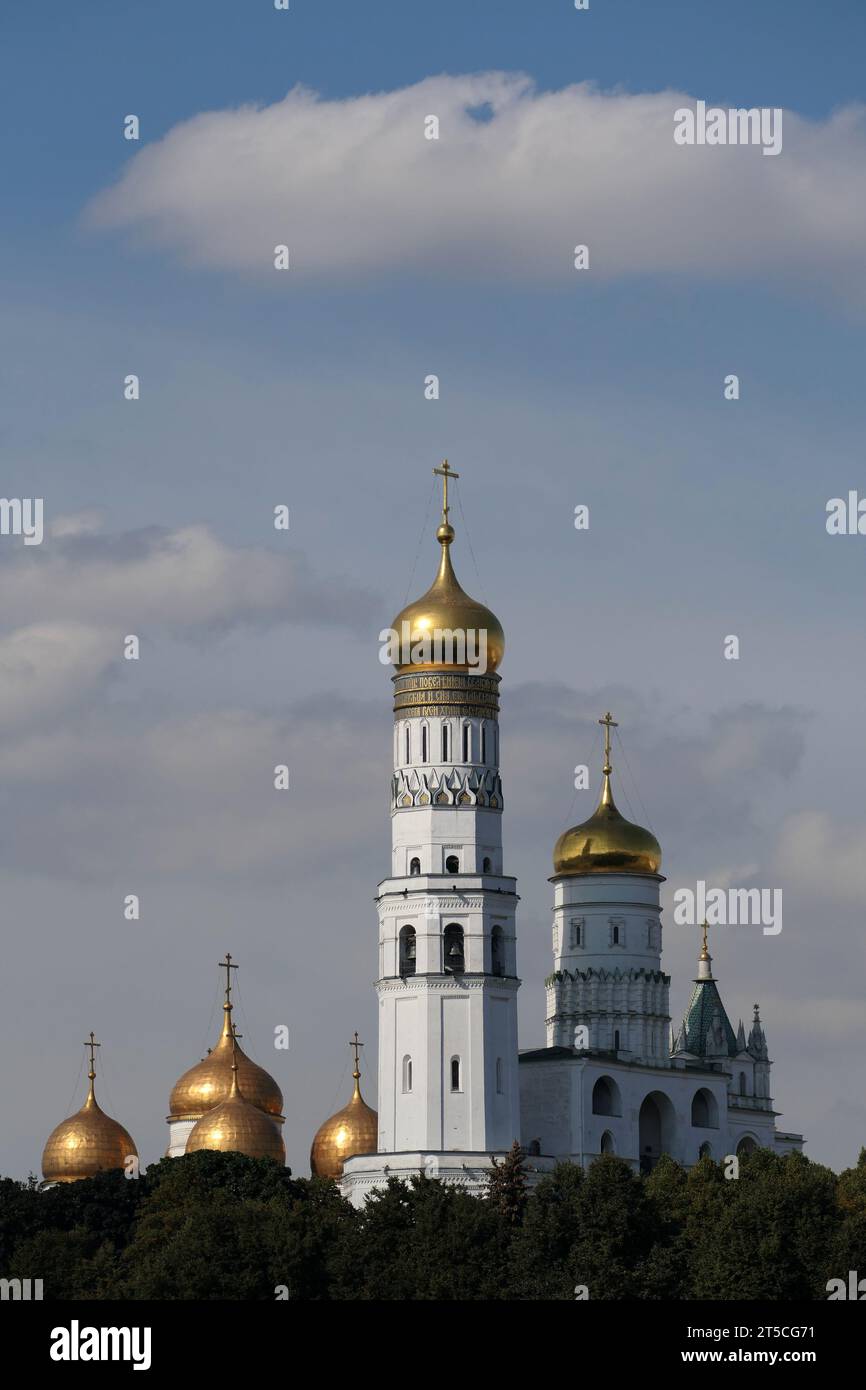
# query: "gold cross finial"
[[609, 723], [92, 1044], [228, 966], [705, 955], [444, 473], [356, 1045]]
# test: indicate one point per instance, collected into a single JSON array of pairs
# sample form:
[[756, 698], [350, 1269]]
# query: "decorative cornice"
[[440, 787], [448, 984], [563, 976]]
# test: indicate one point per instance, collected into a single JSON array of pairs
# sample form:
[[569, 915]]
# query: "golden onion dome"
[[88, 1143], [209, 1081], [447, 608], [237, 1126], [353, 1130], [607, 843]]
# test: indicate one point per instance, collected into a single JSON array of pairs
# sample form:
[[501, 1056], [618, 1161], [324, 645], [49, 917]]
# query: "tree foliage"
[[222, 1226]]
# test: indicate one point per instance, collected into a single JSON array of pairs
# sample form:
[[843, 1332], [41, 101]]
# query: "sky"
[[306, 388]]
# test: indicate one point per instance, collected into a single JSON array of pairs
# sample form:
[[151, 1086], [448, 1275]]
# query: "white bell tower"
[[447, 977]]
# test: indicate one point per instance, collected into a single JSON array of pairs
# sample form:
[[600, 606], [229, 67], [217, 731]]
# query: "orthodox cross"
[[609, 723], [92, 1044], [444, 473], [228, 967], [705, 955], [356, 1045]]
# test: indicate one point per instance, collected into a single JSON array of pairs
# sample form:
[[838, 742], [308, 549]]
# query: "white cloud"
[[48, 667], [353, 187], [177, 579], [823, 856]]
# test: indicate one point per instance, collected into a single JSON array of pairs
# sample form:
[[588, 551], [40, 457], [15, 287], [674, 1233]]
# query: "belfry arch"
[[656, 1129]]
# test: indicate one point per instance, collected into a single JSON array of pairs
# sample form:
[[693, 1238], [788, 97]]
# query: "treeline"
[[221, 1226]]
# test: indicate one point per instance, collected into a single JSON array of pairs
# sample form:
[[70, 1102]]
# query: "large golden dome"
[[607, 843], [353, 1130], [88, 1143], [237, 1126], [446, 607], [209, 1081]]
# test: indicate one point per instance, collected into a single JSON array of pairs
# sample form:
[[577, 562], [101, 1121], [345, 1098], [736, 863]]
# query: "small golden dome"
[[209, 1081], [237, 1126], [353, 1130], [607, 843], [88, 1143], [447, 608]]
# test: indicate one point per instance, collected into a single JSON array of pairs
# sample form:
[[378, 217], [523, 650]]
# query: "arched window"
[[407, 950], [746, 1145], [499, 1076], [534, 1149], [423, 743], [452, 864], [615, 937], [415, 866], [406, 743], [743, 1090], [485, 867], [483, 742], [705, 1151], [705, 1111], [466, 743], [497, 951], [407, 1074], [455, 1074], [606, 1097], [452, 947], [446, 742], [616, 1040], [607, 1144]]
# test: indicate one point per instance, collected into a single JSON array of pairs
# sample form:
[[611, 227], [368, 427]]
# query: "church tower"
[[447, 978], [608, 991]]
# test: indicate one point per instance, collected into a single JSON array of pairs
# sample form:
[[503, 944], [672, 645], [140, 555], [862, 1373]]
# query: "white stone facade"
[[447, 986]]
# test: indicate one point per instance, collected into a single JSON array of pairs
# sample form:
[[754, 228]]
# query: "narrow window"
[[407, 1074], [616, 1040], [499, 1076], [484, 743], [616, 936], [497, 952], [455, 1073], [407, 951], [453, 949], [466, 743], [743, 1083], [414, 866], [446, 742], [485, 867], [424, 743], [406, 759]]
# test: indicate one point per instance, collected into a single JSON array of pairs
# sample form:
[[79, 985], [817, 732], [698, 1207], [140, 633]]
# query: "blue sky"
[[707, 518]]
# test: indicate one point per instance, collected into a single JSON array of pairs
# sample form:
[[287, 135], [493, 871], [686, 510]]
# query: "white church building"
[[454, 1089]]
